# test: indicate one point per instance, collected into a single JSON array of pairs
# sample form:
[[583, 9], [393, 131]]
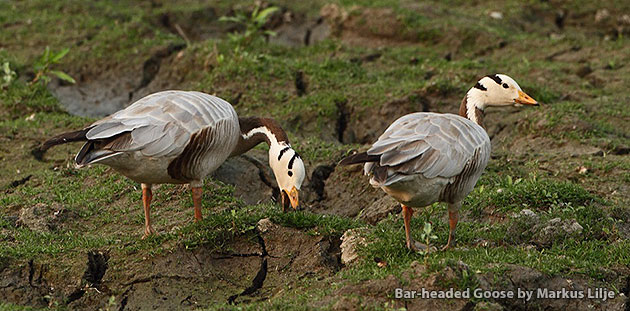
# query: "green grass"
[[106, 37], [506, 194], [13, 307]]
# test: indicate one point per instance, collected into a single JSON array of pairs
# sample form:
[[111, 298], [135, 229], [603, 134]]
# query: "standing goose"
[[181, 137], [424, 157]]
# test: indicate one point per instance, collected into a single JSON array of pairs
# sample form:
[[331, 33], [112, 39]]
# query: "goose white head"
[[288, 168], [497, 90]]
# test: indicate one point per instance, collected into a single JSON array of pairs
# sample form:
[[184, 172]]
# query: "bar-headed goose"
[[424, 157], [180, 137]]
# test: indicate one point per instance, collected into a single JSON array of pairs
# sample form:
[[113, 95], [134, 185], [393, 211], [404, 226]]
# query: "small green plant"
[[253, 25], [42, 67], [427, 235], [8, 75]]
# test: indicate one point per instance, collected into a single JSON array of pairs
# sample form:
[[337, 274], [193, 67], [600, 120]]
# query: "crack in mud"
[[318, 180], [151, 66], [259, 279], [264, 176], [157, 277], [343, 115], [19, 182], [300, 84], [96, 267], [239, 255]]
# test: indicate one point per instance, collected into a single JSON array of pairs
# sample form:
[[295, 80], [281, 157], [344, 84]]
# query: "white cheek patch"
[[287, 166]]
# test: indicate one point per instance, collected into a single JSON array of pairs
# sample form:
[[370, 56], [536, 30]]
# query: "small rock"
[[601, 15], [265, 225], [581, 170], [496, 15], [584, 71], [36, 218], [572, 226], [555, 230], [417, 268], [349, 242], [529, 214], [380, 210]]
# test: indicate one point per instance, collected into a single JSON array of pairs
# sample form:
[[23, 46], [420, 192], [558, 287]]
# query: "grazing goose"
[[180, 137], [424, 157]]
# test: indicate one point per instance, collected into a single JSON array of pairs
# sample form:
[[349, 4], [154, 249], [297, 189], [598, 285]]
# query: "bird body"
[[429, 157], [166, 137], [424, 157], [181, 137]]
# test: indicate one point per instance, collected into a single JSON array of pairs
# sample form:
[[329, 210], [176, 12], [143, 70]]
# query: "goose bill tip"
[[524, 99], [294, 198]]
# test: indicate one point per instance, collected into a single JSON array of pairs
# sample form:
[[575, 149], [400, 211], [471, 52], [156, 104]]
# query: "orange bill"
[[525, 99]]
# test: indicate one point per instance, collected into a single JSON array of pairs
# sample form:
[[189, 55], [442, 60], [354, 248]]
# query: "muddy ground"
[[271, 261]]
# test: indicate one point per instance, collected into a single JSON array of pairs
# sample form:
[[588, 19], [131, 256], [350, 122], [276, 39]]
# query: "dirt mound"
[[530, 279], [24, 283], [366, 26], [252, 267]]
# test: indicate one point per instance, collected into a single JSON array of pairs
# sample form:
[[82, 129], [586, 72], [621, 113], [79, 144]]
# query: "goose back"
[[183, 135], [449, 149]]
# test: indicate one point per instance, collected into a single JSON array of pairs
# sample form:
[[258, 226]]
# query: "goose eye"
[[290, 173], [505, 85]]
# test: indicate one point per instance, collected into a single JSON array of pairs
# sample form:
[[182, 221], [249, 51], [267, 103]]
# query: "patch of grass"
[[505, 194], [316, 150], [14, 307], [218, 229], [29, 244], [21, 99], [387, 242]]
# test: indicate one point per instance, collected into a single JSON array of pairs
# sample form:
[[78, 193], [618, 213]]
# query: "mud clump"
[[44, 218], [366, 26], [347, 192], [530, 279], [350, 241], [526, 227], [380, 209], [250, 177], [24, 283]]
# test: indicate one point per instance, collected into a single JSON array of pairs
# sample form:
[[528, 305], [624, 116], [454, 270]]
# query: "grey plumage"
[[161, 123], [166, 137], [423, 158], [431, 144]]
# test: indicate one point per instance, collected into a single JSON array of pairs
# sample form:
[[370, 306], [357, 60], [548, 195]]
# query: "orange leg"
[[407, 214], [453, 217], [147, 196], [196, 196]]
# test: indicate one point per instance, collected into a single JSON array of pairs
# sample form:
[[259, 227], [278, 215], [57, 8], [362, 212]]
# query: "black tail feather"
[[361, 157], [65, 138], [79, 135]]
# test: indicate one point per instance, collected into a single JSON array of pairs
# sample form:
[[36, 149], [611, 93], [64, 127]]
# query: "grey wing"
[[430, 144], [162, 123]]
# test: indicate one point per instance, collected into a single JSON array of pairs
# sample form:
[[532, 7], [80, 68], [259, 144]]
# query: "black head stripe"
[[496, 79], [282, 152], [481, 87], [295, 155]]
